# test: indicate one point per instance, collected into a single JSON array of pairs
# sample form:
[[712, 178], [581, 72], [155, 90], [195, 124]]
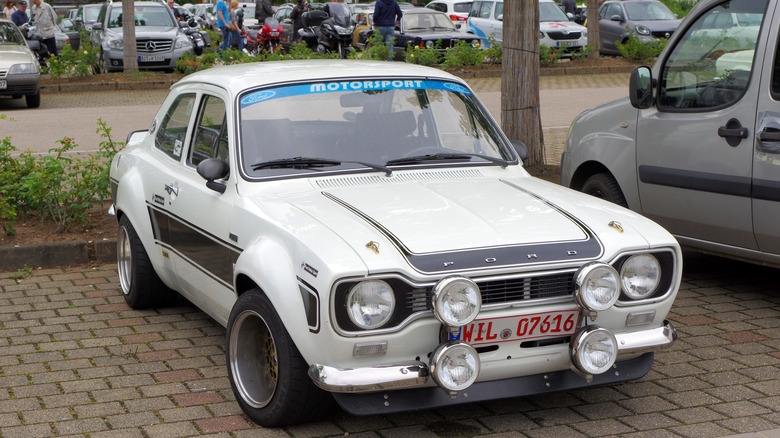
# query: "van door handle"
[[766, 135], [733, 132], [172, 190]]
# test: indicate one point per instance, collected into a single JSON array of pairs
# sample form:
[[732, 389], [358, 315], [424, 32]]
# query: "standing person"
[[9, 10], [235, 33], [569, 6], [174, 10], [223, 23], [19, 17], [297, 17], [46, 23], [263, 10], [387, 15]]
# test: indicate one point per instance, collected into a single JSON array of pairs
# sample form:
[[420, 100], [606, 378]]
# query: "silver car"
[[696, 146], [19, 69], [159, 40]]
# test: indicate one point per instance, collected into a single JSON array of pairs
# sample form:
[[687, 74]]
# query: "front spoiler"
[[415, 373], [388, 402]]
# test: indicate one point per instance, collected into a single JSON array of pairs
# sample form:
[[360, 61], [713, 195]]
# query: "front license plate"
[[151, 58], [520, 327], [199, 43], [565, 44], [3, 85]]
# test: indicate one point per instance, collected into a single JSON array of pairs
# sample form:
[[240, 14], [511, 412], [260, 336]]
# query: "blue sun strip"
[[341, 86]]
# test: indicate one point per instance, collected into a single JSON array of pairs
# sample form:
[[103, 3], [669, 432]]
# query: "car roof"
[[239, 77]]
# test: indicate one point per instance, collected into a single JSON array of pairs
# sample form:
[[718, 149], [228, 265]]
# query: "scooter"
[[336, 32]]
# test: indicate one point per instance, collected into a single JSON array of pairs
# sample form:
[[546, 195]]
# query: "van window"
[[709, 68]]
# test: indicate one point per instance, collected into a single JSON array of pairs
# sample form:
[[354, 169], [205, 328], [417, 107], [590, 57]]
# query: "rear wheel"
[[140, 284], [266, 371], [102, 64], [604, 186]]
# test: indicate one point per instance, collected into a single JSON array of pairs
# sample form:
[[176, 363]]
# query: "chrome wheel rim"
[[124, 260], [253, 359]]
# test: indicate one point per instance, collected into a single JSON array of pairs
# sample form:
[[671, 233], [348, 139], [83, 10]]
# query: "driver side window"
[[210, 139], [710, 68]]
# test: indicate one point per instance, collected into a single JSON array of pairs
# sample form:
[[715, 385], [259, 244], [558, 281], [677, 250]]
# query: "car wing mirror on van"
[[640, 88]]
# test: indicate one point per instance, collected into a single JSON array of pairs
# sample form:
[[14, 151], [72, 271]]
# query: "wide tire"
[[604, 186], [267, 372], [33, 100], [140, 284]]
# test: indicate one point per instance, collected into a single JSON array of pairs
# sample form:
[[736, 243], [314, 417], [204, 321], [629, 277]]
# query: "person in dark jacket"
[[387, 15], [297, 17], [569, 6], [263, 10]]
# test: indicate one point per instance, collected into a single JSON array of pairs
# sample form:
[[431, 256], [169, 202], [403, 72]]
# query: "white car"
[[366, 233], [556, 30], [20, 73], [457, 10]]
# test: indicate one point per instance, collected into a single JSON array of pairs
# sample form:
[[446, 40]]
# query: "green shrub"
[[680, 7], [637, 51], [549, 55], [424, 56], [375, 48], [494, 53], [582, 53], [74, 63], [463, 54]]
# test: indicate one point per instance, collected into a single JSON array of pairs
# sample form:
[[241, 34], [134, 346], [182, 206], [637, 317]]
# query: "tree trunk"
[[129, 51], [592, 8], [520, 117]]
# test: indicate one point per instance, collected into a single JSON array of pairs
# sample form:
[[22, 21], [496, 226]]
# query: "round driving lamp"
[[640, 275], [429, 44], [593, 350], [597, 286], [455, 365], [370, 304], [456, 301]]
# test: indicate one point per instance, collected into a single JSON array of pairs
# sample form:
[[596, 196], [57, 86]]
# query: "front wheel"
[[604, 186], [33, 100], [266, 371]]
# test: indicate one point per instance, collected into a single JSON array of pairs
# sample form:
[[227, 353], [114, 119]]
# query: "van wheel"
[[140, 284], [266, 371], [604, 186]]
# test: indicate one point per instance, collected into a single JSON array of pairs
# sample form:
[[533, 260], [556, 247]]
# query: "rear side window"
[[461, 7], [437, 7], [172, 132], [710, 68]]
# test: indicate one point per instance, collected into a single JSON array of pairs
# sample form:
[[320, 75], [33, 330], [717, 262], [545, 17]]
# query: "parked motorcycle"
[[35, 43], [310, 32], [269, 37], [199, 38], [336, 32]]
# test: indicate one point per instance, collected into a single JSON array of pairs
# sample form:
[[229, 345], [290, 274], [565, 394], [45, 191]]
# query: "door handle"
[[733, 132], [769, 135], [172, 190]]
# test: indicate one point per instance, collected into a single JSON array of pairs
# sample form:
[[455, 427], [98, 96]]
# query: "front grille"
[[3, 73], [164, 63], [153, 46], [561, 36], [524, 289]]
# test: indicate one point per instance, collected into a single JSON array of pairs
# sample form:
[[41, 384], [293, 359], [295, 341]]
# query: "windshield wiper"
[[309, 162], [445, 157]]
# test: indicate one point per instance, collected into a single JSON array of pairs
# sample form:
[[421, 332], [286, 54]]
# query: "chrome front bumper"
[[416, 373]]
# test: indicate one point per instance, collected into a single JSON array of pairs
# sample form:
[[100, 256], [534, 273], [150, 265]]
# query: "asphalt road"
[[75, 115]]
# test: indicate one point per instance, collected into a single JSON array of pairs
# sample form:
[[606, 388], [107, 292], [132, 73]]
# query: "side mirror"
[[617, 18], [212, 169], [97, 26], [500, 17], [520, 148], [640, 88]]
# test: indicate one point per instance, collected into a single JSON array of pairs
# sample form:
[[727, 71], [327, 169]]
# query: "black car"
[[424, 29]]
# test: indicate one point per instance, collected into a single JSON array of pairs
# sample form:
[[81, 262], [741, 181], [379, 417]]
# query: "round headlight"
[[640, 275], [456, 301], [593, 350], [455, 365], [370, 304], [429, 44], [598, 287]]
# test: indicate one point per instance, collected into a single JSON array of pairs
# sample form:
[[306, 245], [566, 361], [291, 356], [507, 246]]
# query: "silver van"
[[696, 145]]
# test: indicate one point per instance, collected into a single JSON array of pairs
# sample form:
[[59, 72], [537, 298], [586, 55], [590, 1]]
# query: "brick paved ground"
[[76, 361]]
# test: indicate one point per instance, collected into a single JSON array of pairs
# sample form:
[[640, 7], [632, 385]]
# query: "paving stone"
[[700, 430], [649, 421]]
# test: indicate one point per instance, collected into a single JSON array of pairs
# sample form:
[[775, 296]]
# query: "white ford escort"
[[367, 233]]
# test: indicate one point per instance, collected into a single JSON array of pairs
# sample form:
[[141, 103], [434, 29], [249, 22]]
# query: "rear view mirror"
[[640, 88]]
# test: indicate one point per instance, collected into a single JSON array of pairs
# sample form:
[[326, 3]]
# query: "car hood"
[[436, 34], [560, 26], [150, 31], [11, 54], [659, 25]]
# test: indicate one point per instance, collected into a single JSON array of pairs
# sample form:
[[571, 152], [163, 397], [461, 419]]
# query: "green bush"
[[74, 63], [463, 54], [494, 53], [680, 7], [416, 55], [582, 53], [637, 51], [549, 55], [57, 186], [375, 49]]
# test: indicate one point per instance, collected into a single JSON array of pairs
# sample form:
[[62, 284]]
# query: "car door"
[[766, 175], [612, 26], [194, 220], [695, 146]]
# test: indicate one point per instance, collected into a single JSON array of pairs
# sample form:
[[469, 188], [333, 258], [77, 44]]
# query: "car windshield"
[[427, 21], [366, 121], [91, 13], [9, 34], [549, 11], [648, 11], [144, 16]]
